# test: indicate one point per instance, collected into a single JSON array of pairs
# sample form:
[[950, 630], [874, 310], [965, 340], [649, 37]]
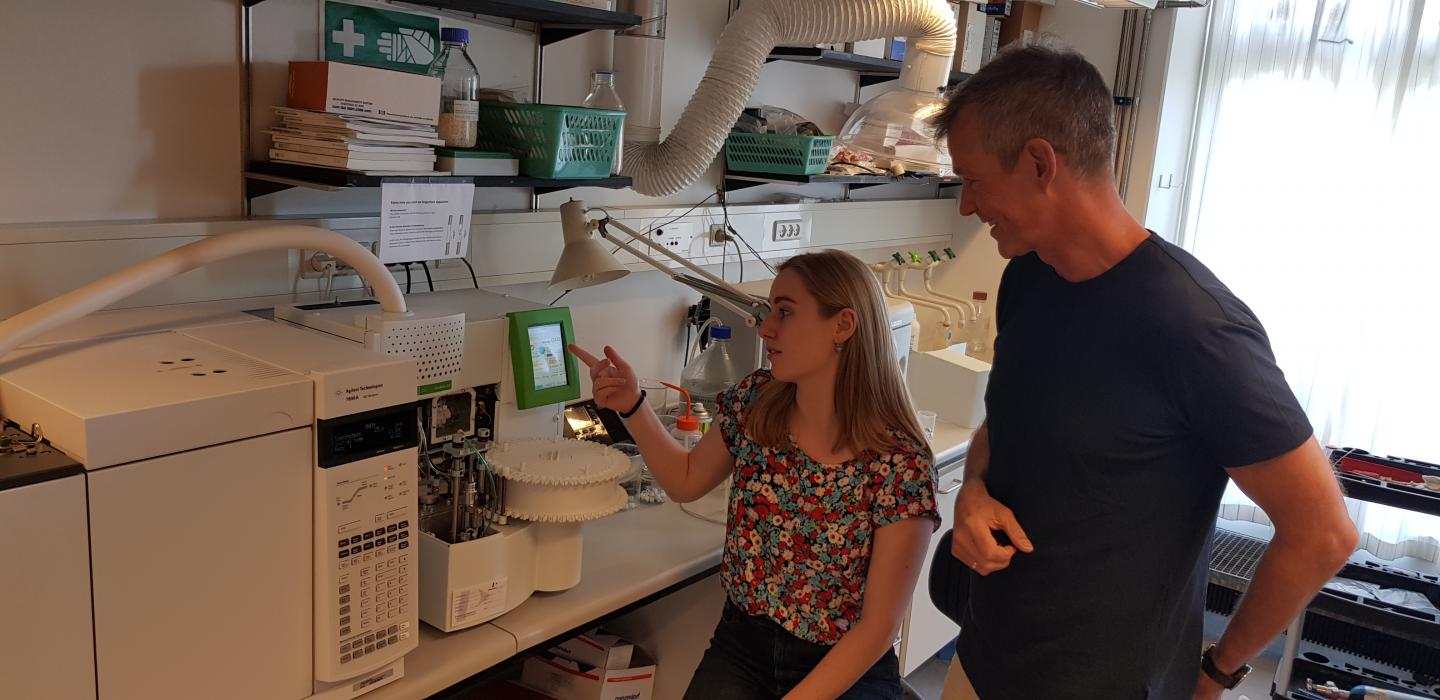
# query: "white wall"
[[166, 142], [1093, 32], [1160, 193], [507, 61], [119, 110]]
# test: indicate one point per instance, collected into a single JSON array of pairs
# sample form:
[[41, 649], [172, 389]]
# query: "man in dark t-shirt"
[[1128, 384]]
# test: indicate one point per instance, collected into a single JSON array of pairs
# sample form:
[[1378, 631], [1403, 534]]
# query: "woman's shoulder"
[[903, 450], [745, 389], [736, 398]]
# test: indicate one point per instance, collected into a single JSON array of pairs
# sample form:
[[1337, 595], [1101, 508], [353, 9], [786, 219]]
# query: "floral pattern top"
[[798, 533]]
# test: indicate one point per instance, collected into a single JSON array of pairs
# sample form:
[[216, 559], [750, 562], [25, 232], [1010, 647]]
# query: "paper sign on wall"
[[424, 221]]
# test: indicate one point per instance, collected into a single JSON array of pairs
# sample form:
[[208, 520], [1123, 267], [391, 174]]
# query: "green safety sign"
[[370, 36]]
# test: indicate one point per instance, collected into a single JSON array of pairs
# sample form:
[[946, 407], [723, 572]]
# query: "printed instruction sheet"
[[422, 221]]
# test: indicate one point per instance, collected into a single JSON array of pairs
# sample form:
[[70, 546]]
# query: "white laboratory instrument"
[[745, 343], [224, 456], [492, 530]]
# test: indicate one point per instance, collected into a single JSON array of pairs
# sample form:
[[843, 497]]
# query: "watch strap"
[[638, 403]]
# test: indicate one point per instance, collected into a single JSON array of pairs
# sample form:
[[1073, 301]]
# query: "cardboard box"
[[362, 91], [566, 679], [874, 48], [1022, 25], [972, 39], [596, 648]]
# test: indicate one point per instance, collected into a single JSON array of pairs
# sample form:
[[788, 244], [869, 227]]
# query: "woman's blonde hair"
[[871, 401]]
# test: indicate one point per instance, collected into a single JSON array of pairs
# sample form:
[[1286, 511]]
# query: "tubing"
[[103, 292], [757, 27]]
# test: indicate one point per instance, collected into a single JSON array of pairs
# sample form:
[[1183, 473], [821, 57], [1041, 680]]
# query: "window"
[[1316, 198]]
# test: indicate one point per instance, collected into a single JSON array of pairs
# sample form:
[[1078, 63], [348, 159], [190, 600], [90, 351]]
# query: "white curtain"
[[1316, 197]]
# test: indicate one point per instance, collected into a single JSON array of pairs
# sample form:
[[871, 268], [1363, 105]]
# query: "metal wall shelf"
[[741, 180], [556, 20], [872, 70], [264, 177]]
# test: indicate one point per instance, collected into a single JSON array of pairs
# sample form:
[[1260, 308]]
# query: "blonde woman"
[[833, 502]]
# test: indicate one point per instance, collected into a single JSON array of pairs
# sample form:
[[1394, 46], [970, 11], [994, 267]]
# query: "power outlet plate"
[[785, 232], [341, 269], [717, 237], [677, 236]]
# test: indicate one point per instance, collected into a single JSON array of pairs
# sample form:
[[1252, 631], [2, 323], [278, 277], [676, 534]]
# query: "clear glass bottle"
[[978, 340], [603, 96], [714, 371], [459, 88]]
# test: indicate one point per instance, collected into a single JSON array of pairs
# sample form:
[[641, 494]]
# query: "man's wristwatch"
[[1227, 680]]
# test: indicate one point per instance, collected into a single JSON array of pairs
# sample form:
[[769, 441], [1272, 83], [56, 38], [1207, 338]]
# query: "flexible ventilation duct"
[[21, 327], [640, 69], [757, 27]]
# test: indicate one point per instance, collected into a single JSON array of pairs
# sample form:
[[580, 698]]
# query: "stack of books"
[[364, 145]]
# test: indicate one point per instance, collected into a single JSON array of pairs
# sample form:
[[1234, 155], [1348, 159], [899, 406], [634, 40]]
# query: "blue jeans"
[[753, 658]]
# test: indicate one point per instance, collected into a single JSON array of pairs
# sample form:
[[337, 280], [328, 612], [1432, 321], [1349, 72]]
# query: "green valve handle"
[[913, 257], [896, 257], [950, 253], [933, 255]]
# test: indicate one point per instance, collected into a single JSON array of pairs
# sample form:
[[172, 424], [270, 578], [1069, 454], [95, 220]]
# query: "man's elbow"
[[1331, 546], [1327, 544], [1342, 542]]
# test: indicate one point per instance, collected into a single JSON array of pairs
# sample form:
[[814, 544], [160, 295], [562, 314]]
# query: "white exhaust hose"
[[21, 327], [757, 27]]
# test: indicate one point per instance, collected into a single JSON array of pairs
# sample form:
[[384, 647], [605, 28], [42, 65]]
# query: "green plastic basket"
[[776, 154], [552, 141]]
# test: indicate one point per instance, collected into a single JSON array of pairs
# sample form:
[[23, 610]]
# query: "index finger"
[[616, 360], [584, 356]]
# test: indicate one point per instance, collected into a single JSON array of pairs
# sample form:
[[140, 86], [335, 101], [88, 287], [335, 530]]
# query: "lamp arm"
[[636, 236], [716, 288]]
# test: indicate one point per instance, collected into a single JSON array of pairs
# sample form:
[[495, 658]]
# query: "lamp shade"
[[584, 262]]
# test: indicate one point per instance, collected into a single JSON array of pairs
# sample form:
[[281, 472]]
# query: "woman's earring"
[[839, 347]]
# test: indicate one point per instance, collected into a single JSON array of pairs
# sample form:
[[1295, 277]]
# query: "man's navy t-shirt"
[[1114, 406]]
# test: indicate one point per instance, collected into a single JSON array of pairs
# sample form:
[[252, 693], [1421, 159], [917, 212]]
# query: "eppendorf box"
[[362, 91], [567, 679]]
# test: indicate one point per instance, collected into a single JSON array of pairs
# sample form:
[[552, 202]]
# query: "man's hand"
[[1207, 689], [612, 381], [977, 517]]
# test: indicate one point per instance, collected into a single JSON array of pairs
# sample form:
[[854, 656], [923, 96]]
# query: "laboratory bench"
[[631, 559]]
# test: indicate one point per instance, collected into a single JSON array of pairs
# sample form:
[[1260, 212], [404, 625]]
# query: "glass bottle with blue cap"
[[459, 89]]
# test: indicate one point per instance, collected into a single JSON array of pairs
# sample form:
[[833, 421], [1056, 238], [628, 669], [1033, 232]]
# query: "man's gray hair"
[[1038, 91]]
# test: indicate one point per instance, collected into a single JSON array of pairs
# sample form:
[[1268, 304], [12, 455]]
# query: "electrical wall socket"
[[718, 236], [311, 266], [785, 232]]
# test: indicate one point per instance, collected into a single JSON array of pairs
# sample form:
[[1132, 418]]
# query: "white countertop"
[[627, 557], [950, 443]]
